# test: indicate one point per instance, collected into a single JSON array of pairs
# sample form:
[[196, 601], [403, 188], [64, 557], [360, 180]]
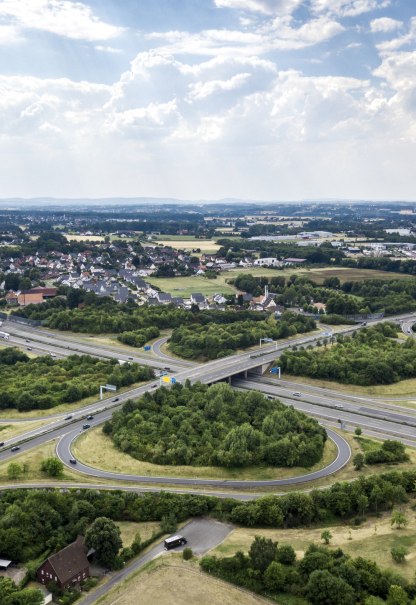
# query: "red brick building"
[[66, 568]]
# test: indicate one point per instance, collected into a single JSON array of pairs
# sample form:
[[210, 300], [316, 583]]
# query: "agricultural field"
[[373, 540], [188, 242], [175, 582]]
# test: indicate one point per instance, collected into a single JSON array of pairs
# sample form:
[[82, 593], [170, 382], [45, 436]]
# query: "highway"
[[376, 417]]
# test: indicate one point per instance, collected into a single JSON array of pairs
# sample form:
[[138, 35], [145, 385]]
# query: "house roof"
[[70, 560]]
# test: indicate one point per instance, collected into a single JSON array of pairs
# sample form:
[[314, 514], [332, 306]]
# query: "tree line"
[[321, 577], [86, 312], [214, 341], [370, 356], [200, 425], [37, 522], [43, 383]]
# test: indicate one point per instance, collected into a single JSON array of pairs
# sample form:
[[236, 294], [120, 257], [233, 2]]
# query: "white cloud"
[[395, 43], [62, 17], [108, 49], [347, 8], [9, 34], [385, 24], [202, 90], [266, 7]]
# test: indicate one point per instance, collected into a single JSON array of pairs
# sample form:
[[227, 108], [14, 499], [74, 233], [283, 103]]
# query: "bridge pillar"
[[229, 379], [245, 373]]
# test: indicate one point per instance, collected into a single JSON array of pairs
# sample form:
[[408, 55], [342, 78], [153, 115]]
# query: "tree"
[[358, 431], [262, 552], [274, 576], [399, 553], [326, 536], [397, 596], [52, 466], [104, 536], [398, 519], [362, 504], [14, 470], [325, 589], [358, 461], [285, 554]]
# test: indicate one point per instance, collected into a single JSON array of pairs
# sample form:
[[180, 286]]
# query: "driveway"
[[202, 535]]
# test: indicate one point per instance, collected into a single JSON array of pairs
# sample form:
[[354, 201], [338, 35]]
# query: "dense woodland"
[[200, 425], [43, 382], [370, 356], [321, 577], [218, 340]]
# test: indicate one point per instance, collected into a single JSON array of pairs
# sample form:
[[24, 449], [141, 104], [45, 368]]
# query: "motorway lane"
[[63, 450], [386, 428], [286, 389], [61, 343]]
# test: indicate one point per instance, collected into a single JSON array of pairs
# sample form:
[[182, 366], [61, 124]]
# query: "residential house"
[[68, 567]]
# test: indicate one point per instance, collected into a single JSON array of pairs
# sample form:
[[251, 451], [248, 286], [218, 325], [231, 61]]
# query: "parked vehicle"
[[174, 541]]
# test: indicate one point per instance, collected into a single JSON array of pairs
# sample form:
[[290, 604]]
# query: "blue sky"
[[205, 99]]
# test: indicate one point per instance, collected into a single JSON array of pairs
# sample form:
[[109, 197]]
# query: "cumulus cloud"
[[62, 17], [385, 24], [347, 8], [266, 7]]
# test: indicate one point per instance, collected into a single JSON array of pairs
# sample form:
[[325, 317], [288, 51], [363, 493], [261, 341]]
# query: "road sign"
[[173, 380], [267, 339], [147, 347], [165, 379], [110, 387], [274, 371]]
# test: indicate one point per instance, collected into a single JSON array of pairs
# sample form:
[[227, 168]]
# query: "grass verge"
[[97, 450]]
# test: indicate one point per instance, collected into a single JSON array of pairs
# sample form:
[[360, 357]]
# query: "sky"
[[208, 99]]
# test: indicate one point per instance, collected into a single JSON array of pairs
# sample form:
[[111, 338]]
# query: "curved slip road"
[[63, 450]]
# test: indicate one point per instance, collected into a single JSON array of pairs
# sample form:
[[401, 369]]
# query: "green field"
[[184, 286]]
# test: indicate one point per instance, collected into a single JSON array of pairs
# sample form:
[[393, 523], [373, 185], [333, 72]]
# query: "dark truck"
[[174, 541]]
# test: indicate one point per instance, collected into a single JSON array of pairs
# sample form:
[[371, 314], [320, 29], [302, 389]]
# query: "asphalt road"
[[202, 535], [63, 450]]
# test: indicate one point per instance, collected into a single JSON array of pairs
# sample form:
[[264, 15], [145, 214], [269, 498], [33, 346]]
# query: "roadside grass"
[[170, 581], [8, 430], [64, 408], [403, 388], [129, 529], [373, 539], [97, 450], [33, 459]]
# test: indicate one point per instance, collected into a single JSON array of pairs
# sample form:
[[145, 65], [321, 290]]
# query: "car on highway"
[[1, 443], [130, 358], [116, 399], [167, 369], [68, 417], [15, 448], [53, 354], [296, 394], [339, 406], [90, 417], [72, 461], [153, 386], [86, 426], [26, 340], [29, 348], [174, 541]]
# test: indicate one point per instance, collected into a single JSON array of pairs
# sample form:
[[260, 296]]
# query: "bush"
[[187, 554], [399, 553]]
